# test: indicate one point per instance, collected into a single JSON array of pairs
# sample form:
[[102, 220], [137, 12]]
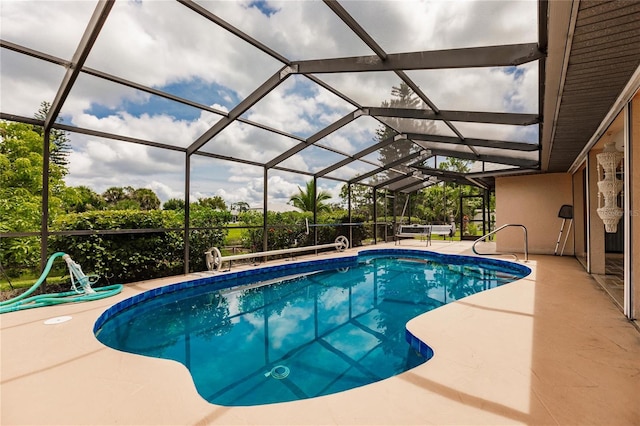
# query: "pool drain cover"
[[279, 372], [57, 320]]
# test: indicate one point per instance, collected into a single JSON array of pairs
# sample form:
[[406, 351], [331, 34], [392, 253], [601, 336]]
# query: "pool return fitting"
[[214, 259], [81, 290]]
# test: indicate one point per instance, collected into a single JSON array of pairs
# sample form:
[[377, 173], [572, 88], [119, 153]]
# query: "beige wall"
[[579, 203], [533, 201], [596, 226]]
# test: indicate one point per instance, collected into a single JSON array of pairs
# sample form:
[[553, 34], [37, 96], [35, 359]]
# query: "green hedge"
[[126, 258], [123, 257], [288, 229], [202, 240]]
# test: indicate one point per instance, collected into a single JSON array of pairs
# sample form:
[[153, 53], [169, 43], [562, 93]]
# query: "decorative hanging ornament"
[[609, 187]]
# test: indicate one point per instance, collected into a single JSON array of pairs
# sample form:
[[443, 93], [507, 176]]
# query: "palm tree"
[[303, 200]]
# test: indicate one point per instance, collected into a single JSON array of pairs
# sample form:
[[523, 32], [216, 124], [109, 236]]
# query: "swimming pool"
[[299, 330]]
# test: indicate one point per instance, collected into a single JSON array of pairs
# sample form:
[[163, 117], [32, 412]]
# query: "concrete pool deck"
[[550, 349]]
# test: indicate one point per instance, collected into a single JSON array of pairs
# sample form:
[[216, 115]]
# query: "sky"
[[164, 45]]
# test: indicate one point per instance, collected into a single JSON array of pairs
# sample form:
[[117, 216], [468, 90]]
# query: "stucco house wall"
[[533, 201]]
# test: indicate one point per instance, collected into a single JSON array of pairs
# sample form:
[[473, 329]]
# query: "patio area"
[[549, 349]]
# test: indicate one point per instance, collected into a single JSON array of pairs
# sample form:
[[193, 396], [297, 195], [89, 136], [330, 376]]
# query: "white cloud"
[[109, 158], [159, 128], [353, 137], [366, 88], [100, 164], [333, 188], [164, 191], [54, 27], [247, 142], [158, 43], [445, 24], [296, 162], [166, 42], [294, 29], [280, 189], [481, 89], [300, 107]]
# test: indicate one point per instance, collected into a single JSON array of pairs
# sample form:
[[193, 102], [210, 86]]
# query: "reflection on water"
[[330, 330]]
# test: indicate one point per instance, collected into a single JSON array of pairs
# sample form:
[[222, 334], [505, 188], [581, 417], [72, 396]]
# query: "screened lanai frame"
[[410, 173]]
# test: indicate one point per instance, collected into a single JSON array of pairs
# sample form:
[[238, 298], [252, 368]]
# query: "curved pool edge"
[[499, 310]]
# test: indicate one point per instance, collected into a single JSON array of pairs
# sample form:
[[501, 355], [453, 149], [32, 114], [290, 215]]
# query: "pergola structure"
[[429, 132]]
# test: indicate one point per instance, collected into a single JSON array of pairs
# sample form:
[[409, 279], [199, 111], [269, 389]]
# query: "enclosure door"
[[473, 217]]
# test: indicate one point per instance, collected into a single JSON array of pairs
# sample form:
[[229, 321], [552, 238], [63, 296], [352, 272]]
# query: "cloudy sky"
[[164, 45]]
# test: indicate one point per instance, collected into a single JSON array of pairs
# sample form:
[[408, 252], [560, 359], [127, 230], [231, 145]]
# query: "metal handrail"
[[484, 237]]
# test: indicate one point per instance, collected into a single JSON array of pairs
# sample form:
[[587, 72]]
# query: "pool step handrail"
[[484, 237], [214, 259]]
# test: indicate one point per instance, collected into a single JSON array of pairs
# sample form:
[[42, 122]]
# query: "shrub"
[[123, 257], [284, 230], [210, 234], [288, 229], [140, 256]]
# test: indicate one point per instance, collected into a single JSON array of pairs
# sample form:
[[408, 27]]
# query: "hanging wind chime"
[[609, 187]]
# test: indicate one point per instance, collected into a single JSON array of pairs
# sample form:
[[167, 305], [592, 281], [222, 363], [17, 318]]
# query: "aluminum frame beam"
[[357, 156], [473, 57], [314, 138], [264, 89], [34, 53], [518, 162], [386, 167], [367, 39], [446, 175], [21, 119], [413, 187], [90, 35], [356, 28], [107, 135], [233, 30], [391, 181], [501, 172], [513, 119], [438, 172], [485, 143]]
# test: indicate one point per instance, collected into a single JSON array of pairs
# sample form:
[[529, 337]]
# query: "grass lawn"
[[25, 281], [234, 237]]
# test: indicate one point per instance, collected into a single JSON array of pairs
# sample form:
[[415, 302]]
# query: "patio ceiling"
[[594, 52], [254, 121]]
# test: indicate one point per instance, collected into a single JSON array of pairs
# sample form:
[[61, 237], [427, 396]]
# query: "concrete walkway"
[[551, 349]]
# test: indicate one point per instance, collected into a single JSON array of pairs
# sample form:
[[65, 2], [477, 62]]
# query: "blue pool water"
[[299, 330]]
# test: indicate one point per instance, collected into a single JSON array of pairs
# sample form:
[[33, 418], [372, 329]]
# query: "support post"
[[349, 214], [375, 216], [393, 223], [44, 224], [187, 209], [315, 211], [265, 206]]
